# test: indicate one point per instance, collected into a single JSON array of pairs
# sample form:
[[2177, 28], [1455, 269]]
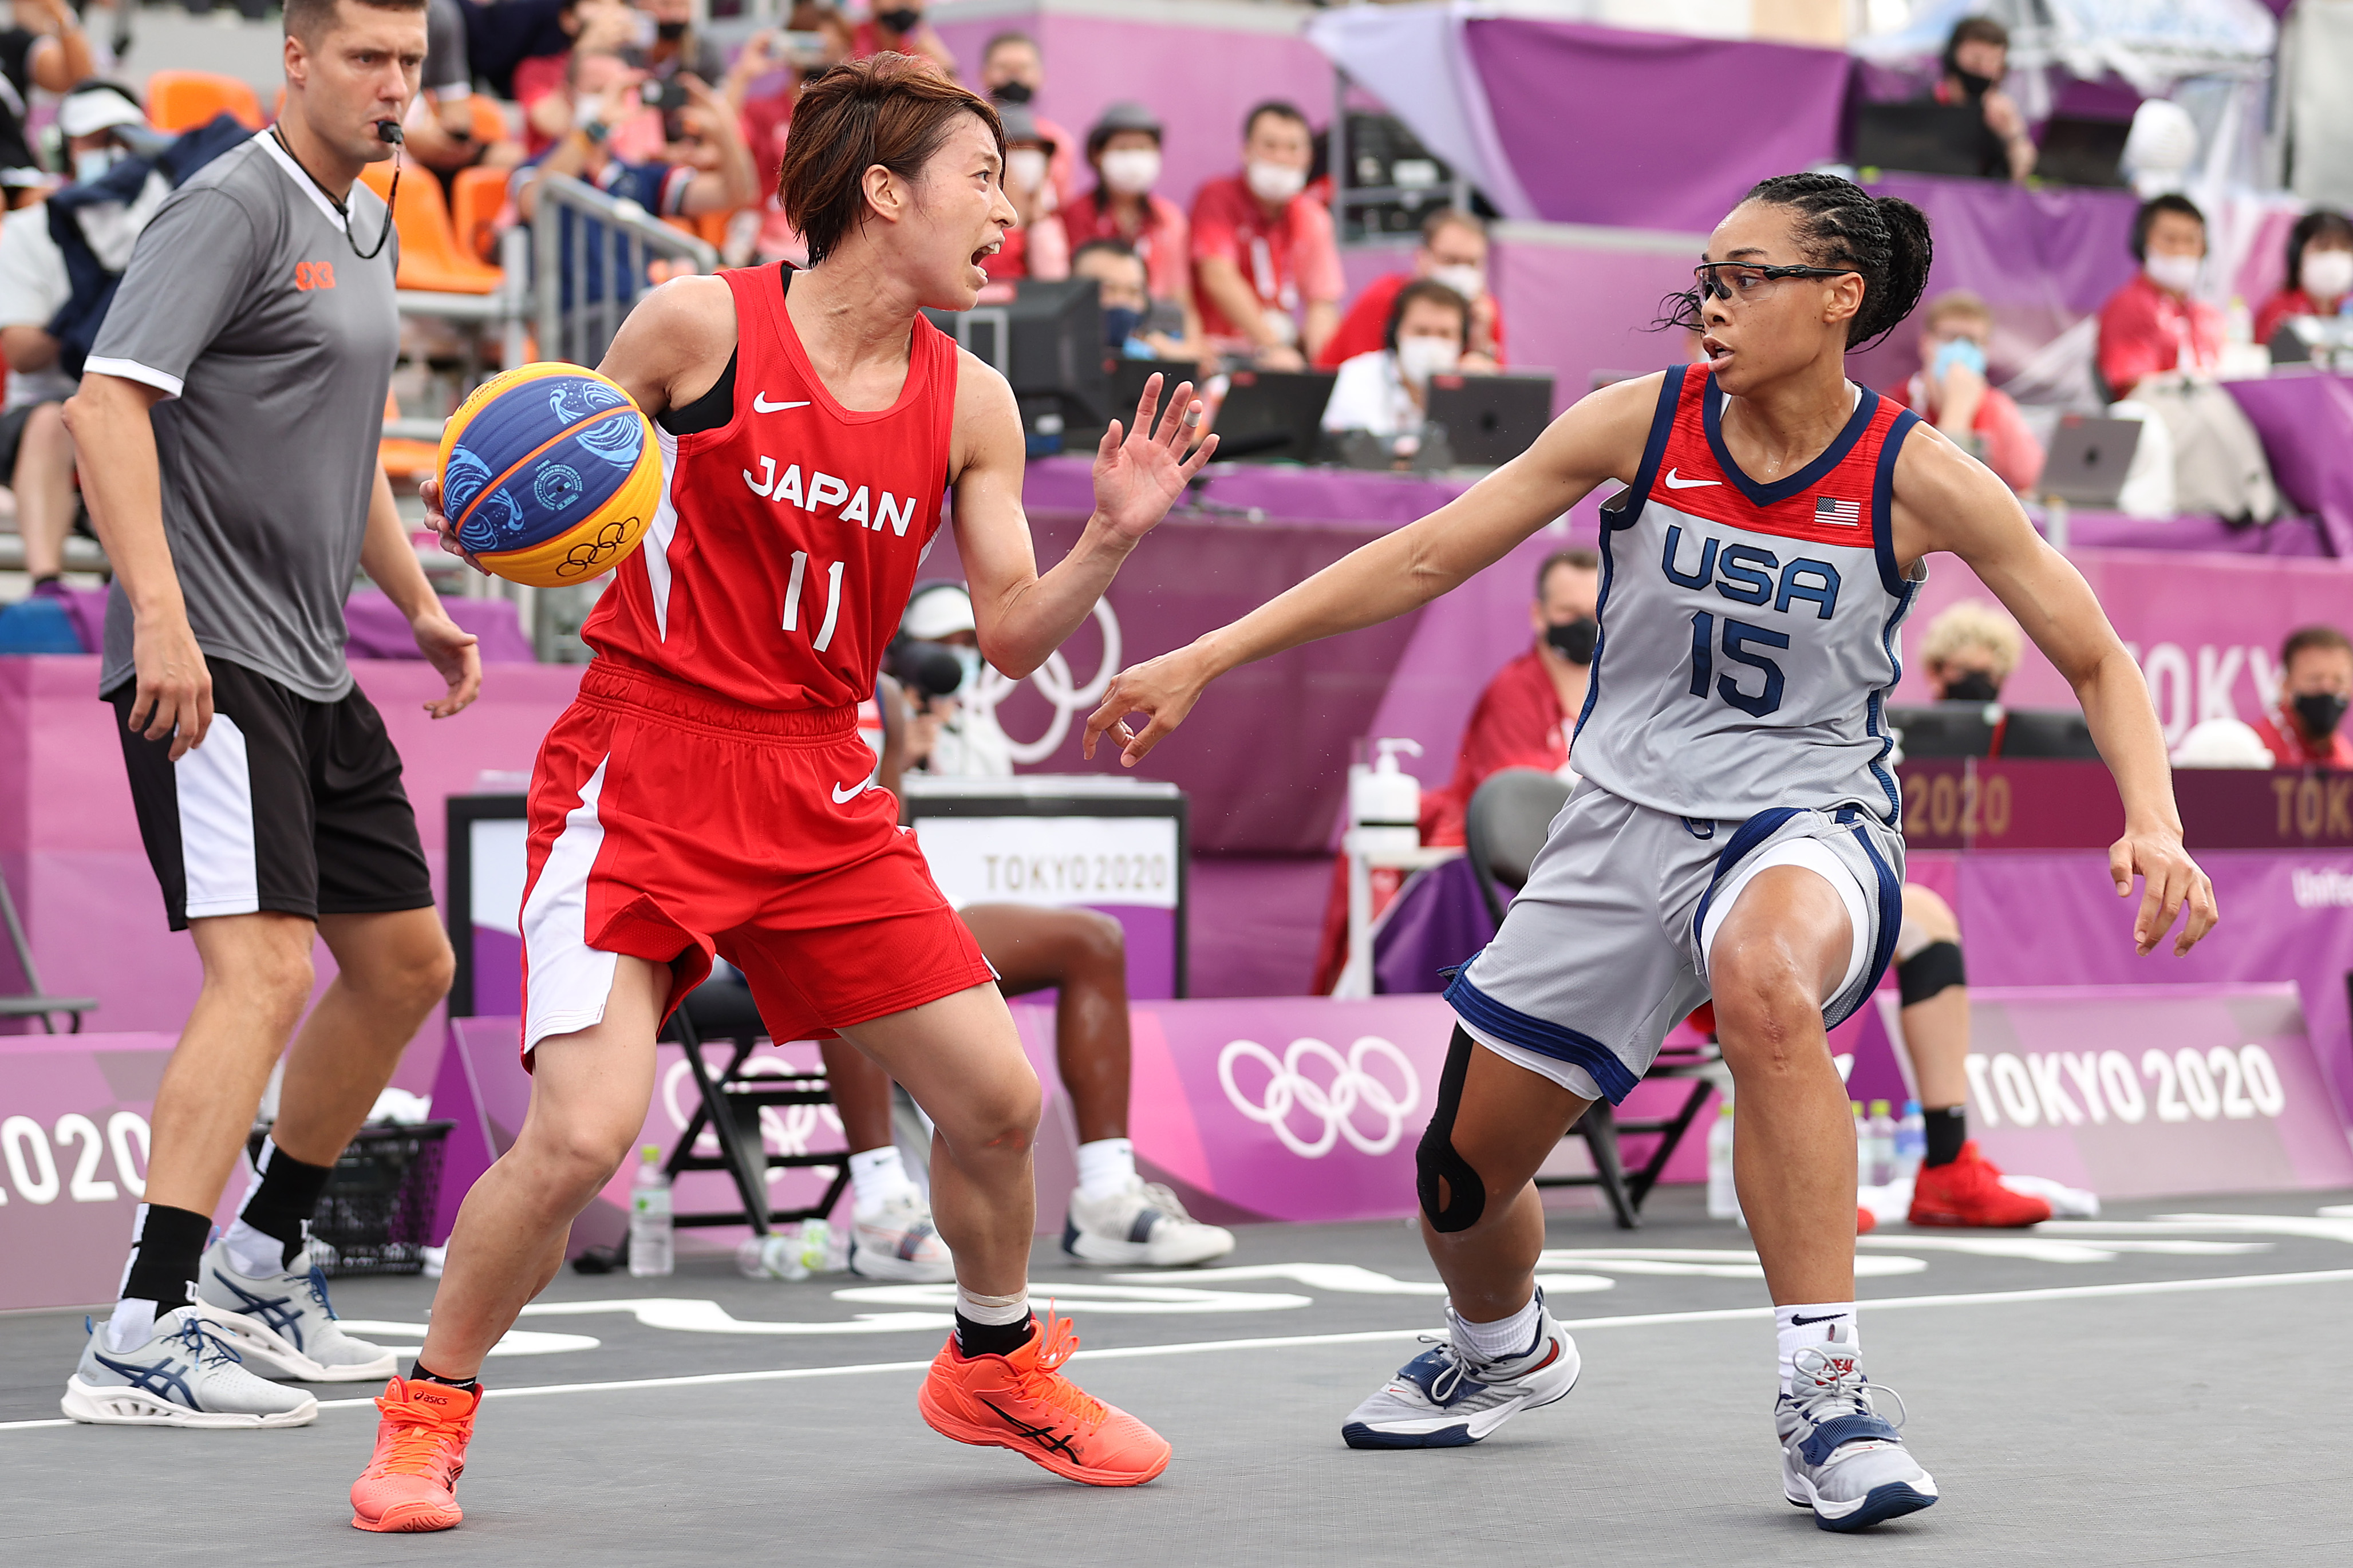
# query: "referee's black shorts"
[[289, 805]]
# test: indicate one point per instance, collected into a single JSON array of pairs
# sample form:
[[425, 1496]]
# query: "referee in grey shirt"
[[227, 429]]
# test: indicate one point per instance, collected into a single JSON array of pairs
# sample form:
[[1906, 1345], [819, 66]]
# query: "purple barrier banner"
[[1648, 131], [2149, 1092]]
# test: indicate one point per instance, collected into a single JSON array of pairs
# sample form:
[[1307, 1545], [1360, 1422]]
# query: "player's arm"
[[1020, 615], [390, 562], [1599, 439], [1946, 500], [122, 481]]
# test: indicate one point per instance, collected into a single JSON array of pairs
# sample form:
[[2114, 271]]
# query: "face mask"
[[96, 161], [2327, 274], [2321, 712], [1131, 171], [1976, 686], [2175, 274], [903, 20], [1462, 278], [1575, 640], [1027, 166], [968, 660], [1010, 92], [1120, 322], [1419, 358], [1974, 85], [1275, 182], [670, 31]]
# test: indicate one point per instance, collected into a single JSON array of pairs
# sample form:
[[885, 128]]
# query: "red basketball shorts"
[[667, 825]]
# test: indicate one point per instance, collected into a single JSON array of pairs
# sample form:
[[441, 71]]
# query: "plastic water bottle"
[[791, 1254], [1879, 1144], [1862, 1145], [1911, 1141], [649, 1228], [1722, 1197]]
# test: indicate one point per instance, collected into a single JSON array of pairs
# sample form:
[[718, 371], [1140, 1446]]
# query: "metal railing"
[[590, 254]]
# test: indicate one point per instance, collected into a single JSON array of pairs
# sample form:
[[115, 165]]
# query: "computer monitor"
[[1271, 415], [1491, 419], [1048, 341], [1924, 138], [1945, 729], [2075, 151], [2089, 457], [2060, 733]]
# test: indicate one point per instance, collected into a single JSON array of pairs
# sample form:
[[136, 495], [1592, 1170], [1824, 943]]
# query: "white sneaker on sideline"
[[1142, 1225], [897, 1242]]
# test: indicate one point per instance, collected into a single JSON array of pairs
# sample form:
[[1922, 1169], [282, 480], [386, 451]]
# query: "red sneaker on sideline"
[[420, 1452], [1865, 1222], [1023, 1402], [1968, 1192]]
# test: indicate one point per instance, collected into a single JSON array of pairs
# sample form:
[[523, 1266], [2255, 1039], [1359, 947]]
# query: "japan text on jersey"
[[1748, 630]]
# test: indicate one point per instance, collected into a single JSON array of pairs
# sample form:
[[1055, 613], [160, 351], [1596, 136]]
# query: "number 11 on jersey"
[[832, 599]]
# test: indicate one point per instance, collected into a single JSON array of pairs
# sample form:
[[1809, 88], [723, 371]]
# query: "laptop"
[[2089, 457], [2075, 151], [1490, 419], [1945, 729], [1924, 138], [1272, 416]]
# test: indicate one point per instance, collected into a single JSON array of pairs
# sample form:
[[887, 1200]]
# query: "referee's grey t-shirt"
[[274, 344]]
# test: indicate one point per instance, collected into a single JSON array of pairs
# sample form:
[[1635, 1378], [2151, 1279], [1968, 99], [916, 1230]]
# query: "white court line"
[[1376, 1336]]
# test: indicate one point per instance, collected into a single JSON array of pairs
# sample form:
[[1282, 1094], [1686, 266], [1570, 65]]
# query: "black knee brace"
[[1434, 1158], [1933, 968]]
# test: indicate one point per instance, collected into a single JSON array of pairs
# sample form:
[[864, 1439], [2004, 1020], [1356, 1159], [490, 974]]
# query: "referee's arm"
[[121, 481], [390, 560]]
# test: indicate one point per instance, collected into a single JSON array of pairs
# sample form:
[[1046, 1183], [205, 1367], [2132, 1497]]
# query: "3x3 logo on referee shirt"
[[309, 275]]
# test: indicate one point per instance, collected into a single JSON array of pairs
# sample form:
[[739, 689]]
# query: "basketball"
[[549, 474]]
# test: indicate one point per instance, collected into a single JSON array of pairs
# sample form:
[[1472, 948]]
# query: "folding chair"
[[1504, 827], [730, 1103], [34, 1004]]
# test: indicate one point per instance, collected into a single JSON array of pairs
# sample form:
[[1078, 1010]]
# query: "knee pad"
[[1435, 1159], [1933, 969]]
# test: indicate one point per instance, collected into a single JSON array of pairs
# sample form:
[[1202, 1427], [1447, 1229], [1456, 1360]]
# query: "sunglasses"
[[1747, 280]]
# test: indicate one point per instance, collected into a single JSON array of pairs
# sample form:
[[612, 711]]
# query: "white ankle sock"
[[1506, 1336], [252, 1254], [133, 1324], [993, 1310], [1808, 1324], [1106, 1166], [878, 1175]]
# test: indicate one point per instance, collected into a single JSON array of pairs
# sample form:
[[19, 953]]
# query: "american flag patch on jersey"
[[1844, 514]]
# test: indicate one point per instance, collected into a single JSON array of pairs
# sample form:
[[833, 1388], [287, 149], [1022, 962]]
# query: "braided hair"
[[1837, 223]]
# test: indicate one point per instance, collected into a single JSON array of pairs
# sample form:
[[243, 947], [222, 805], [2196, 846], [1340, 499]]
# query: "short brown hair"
[[1427, 290], [1451, 217], [889, 110], [1957, 302], [307, 19], [1583, 560], [1977, 30], [2304, 639]]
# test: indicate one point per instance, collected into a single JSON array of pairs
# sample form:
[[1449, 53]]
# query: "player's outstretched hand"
[[1163, 690], [1139, 475], [2170, 882], [452, 650], [439, 521]]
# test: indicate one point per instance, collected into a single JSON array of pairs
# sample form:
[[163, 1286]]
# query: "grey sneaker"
[[282, 1325], [1141, 1225], [1447, 1397], [186, 1374], [1839, 1458], [899, 1242]]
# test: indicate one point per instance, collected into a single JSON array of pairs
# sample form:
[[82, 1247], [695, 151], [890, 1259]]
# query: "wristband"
[[596, 130]]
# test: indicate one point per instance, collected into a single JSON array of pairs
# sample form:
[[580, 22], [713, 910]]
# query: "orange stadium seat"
[[430, 256], [476, 199], [405, 462], [180, 100]]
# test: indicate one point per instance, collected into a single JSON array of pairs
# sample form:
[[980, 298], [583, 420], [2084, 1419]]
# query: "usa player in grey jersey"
[[1734, 837]]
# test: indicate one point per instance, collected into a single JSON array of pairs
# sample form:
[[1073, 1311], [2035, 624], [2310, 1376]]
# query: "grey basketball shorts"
[[1607, 945]]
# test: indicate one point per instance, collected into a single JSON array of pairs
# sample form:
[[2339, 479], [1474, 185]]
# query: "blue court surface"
[[2167, 1385]]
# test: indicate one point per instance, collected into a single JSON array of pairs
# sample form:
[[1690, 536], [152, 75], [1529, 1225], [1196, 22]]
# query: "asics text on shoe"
[[410, 1482]]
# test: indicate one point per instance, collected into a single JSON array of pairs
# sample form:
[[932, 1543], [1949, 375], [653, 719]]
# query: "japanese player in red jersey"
[[708, 791]]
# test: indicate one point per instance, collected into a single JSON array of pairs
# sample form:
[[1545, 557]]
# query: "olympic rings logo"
[[1289, 1088], [1052, 680], [785, 1129]]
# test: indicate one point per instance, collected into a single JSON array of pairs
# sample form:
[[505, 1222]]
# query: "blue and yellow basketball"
[[549, 474]]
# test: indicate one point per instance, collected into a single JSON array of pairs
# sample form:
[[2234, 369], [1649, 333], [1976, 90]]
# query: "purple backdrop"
[[1648, 130]]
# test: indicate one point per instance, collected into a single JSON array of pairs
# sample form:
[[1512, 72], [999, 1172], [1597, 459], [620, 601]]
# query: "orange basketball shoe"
[[1968, 1192], [420, 1452], [1023, 1402]]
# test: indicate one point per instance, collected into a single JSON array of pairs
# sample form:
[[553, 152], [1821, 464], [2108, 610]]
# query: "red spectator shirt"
[[2283, 303], [1366, 327], [1162, 241], [534, 79], [2011, 449], [1518, 723], [2290, 749], [2144, 330], [1289, 261]]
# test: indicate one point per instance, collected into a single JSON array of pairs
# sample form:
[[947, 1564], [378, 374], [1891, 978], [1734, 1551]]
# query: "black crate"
[[376, 1213]]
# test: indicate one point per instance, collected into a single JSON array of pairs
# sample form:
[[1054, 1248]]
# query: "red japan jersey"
[[786, 543]]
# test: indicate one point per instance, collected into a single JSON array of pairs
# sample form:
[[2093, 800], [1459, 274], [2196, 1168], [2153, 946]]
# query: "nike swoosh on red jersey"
[[855, 791], [760, 404], [1676, 482]]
